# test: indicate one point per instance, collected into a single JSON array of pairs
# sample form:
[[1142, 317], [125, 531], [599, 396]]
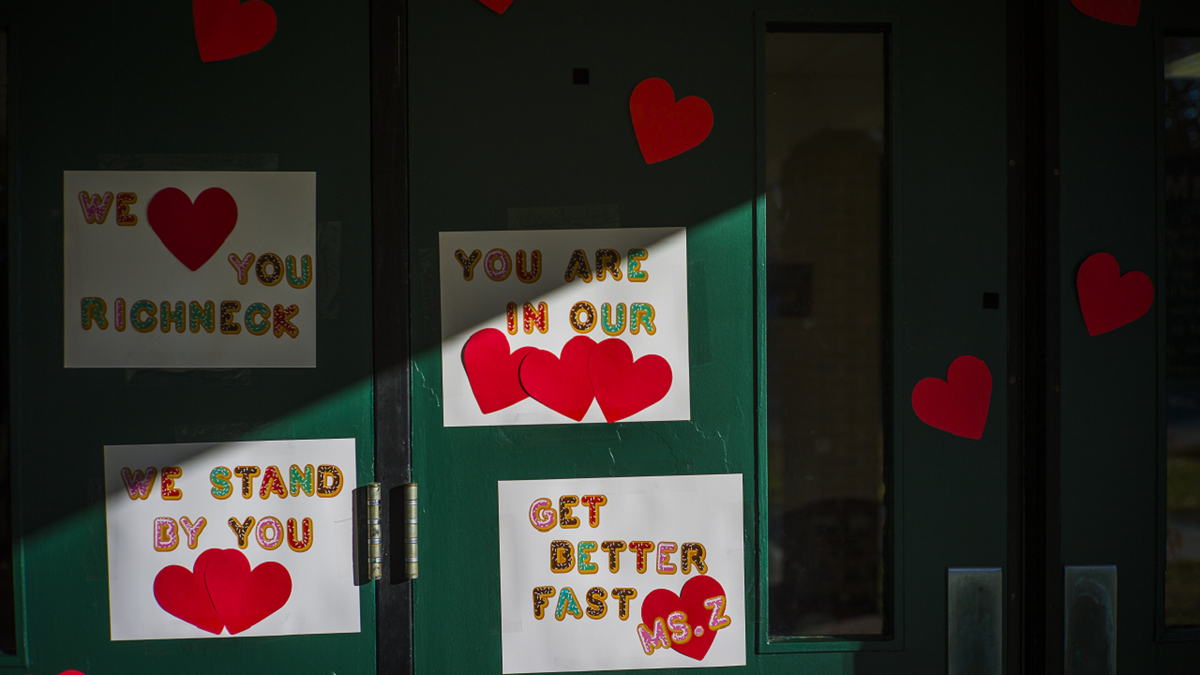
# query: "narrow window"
[[1182, 174], [8, 629], [828, 435]]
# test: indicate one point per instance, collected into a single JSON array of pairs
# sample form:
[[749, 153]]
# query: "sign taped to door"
[[230, 539], [189, 269], [622, 573], [564, 326]]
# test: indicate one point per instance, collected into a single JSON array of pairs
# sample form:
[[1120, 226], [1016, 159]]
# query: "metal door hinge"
[[410, 530], [374, 532], [368, 534]]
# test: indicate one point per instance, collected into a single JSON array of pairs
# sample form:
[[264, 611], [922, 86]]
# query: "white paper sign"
[[203, 542], [564, 326], [622, 573], [189, 269]]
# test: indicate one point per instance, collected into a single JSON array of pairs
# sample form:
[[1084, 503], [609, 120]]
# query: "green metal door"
[[520, 119], [116, 86], [1130, 489]]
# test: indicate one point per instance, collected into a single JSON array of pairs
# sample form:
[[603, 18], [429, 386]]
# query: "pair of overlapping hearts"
[[568, 383], [1107, 300], [221, 592]]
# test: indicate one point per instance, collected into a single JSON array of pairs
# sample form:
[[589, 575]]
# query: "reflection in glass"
[[826, 268], [1182, 147], [8, 626]]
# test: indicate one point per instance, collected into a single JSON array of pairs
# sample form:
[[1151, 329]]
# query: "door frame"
[[390, 339]]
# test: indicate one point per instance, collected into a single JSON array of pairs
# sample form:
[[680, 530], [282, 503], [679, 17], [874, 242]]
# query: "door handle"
[[975, 620]]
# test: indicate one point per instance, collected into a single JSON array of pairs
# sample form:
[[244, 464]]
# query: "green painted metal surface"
[[120, 84], [496, 124], [1113, 385]]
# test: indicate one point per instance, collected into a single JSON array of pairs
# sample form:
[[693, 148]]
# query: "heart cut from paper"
[[229, 28], [691, 601], [1109, 299], [493, 372], [624, 387], [958, 404], [192, 232], [1121, 12], [497, 6], [665, 127], [241, 596], [183, 594], [561, 383]]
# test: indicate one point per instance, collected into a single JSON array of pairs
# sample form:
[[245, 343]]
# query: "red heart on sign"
[[192, 232], [663, 126], [492, 371], [693, 601], [1109, 299], [561, 384], [183, 594], [498, 6], [241, 596], [959, 404], [1122, 12], [623, 386], [229, 28]]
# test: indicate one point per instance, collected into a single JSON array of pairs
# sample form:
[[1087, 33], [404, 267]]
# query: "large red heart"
[[1122, 12], [183, 594], [229, 28], [492, 371], [561, 384], [623, 386], [663, 126], [959, 404], [498, 6], [691, 601], [241, 596], [1109, 299], [192, 232]]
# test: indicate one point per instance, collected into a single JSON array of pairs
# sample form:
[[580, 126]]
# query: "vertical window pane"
[[1183, 329], [8, 630], [827, 221]]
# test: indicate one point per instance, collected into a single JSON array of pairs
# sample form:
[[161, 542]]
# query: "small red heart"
[[229, 28], [661, 603], [561, 384], [665, 127], [242, 596], [1122, 12], [498, 6], [183, 594], [192, 232], [959, 404], [1109, 299], [623, 386], [492, 371]]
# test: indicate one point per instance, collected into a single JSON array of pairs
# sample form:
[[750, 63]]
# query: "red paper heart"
[[497, 6], [661, 602], [228, 28], [1109, 299], [1123, 12], [492, 371], [663, 126], [192, 232], [242, 596], [183, 594], [959, 404], [623, 386], [561, 384]]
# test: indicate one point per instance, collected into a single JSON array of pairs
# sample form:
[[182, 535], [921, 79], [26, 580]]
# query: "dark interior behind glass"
[[827, 317], [1182, 146]]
